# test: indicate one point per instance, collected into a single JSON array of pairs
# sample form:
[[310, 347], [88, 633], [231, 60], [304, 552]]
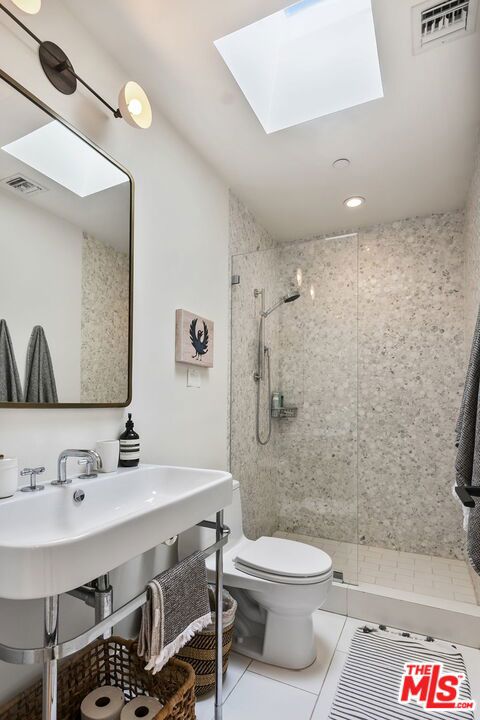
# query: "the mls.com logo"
[[432, 688]]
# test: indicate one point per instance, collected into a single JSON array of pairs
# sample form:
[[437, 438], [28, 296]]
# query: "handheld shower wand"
[[263, 358]]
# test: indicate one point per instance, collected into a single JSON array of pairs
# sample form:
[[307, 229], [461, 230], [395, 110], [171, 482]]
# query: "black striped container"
[[200, 651]]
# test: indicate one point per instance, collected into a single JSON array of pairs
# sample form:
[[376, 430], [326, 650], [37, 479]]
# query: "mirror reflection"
[[65, 263]]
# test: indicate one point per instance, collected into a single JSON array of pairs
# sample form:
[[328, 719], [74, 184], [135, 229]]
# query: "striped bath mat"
[[371, 681]]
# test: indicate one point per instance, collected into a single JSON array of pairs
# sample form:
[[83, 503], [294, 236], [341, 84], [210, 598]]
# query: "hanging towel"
[[10, 388], [177, 607], [40, 384], [467, 463]]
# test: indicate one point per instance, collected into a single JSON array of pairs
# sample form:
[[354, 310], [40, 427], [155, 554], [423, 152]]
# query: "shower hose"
[[259, 389]]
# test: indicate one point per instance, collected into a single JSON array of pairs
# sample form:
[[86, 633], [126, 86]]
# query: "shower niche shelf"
[[285, 412]]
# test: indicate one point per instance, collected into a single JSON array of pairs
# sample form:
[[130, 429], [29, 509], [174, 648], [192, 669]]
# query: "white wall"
[[34, 246], [181, 260]]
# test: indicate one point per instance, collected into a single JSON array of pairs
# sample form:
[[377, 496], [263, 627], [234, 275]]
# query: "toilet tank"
[[197, 538]]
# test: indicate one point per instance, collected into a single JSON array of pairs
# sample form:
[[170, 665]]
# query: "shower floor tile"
[[422, 574]]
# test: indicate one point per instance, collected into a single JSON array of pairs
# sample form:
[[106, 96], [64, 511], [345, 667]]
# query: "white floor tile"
[[260, 698], [328, 628], [325, 700], [349, 628], [204, 709], [236, 667]]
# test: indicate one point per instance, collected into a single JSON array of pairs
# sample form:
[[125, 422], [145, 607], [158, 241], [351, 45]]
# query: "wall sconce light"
[[134, 106], [32, 7]]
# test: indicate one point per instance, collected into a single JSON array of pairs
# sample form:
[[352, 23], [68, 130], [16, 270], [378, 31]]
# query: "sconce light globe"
[[32, 7], [135, 106]]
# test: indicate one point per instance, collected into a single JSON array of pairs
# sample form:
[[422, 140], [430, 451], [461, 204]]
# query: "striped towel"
[[467, 463], [177, 607], [370, 682]]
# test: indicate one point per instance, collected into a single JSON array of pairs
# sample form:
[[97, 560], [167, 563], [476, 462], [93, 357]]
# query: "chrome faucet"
[[91, 455]]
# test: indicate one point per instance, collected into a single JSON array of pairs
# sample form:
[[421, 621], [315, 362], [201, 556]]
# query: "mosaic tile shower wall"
[[411, 374], [317, 480], [104, 323], [376, 362], [373, 357], [253, 465]]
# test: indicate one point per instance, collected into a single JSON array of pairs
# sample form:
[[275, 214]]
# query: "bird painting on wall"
[[194, 332], [199, 339]]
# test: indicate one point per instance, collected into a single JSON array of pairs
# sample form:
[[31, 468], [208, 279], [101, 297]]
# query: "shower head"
[[288, 298]]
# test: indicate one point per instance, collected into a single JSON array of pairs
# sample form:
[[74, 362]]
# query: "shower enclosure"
[[370, 363]]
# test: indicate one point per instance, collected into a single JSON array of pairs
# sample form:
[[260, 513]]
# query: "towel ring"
[[466, 493]]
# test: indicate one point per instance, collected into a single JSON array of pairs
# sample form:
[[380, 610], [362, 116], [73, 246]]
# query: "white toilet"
[[277, 583]]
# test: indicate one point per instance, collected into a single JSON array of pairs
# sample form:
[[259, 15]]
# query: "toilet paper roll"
[[143, 707], [104, 703]]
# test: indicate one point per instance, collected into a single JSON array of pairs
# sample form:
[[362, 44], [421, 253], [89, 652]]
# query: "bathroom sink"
[[50, 544]]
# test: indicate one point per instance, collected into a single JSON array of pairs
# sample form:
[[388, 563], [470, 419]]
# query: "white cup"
[[109, 451], [8, 477]]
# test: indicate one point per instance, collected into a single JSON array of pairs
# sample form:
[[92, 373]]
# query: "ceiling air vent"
[[22, 185], [436, 23]]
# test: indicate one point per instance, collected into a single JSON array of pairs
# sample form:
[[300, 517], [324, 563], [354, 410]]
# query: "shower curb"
[[449, 620]]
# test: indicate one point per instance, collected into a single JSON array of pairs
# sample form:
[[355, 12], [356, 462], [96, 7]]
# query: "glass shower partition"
[[303, 484]]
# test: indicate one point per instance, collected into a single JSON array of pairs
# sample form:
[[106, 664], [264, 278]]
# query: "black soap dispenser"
[[129, 445]]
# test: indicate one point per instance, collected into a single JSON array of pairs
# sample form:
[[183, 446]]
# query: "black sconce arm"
[[57, 66]]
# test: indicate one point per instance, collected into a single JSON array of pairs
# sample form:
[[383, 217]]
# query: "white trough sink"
[[49, 544]]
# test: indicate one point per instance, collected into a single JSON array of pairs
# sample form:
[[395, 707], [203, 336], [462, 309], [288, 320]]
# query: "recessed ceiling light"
[[73, 164], [308, 60], [354, 202], [341, 163]]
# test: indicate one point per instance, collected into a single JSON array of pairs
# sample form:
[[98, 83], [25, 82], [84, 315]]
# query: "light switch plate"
[[193, 378]]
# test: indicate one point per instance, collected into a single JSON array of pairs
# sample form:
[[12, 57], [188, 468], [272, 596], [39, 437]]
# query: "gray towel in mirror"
[[10, 387], [40, 386]]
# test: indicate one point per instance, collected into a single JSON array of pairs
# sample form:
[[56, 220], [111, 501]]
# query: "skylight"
[[55, 151], [314, 58]]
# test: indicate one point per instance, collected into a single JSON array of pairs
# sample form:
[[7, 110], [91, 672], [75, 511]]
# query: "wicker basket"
[[110, 662], [200, 651]]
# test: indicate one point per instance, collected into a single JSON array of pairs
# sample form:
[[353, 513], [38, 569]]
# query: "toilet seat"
[[284, 561]]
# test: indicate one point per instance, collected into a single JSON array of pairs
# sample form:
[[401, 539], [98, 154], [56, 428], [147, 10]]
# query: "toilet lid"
[[278, 558]]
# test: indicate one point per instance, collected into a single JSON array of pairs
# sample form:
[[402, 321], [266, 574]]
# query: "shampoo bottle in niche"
[[129, 445]]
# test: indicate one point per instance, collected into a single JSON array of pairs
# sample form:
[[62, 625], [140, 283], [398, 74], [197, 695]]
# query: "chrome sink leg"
[[103, 602], [219, 621], [49, 702]]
